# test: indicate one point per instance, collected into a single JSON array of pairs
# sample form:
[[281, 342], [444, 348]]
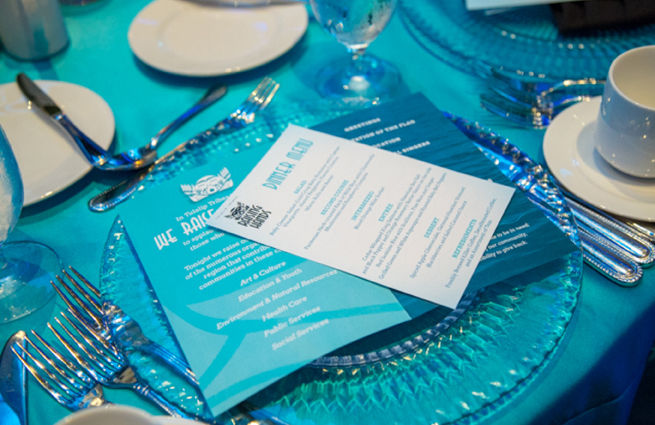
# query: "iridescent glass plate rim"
[[416, 348], [524, 51]]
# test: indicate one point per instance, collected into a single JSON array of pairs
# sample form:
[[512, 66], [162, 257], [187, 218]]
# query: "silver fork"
[[545, 100], [127, 333], [243, 115], [531, 117], [537, 92], [66, 383], [105, 363]]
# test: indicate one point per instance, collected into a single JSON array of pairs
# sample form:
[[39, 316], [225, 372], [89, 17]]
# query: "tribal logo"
[[208, 185], [249, 216]]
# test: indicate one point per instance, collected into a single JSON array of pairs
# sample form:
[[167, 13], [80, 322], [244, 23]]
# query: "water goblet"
[[26, 268], [355, 24]]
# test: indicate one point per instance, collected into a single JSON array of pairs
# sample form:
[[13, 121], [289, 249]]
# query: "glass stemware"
[[26, 268], [355, 24]]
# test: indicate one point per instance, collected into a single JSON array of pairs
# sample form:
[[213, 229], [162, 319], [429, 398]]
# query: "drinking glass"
[[26, 268], [355, 24]]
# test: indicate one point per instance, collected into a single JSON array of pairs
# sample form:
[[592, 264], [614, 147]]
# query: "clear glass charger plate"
[[442, 367], [522, 41]]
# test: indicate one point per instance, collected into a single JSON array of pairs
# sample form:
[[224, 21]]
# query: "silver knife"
[[626, 240], [95, 154], [13, 392], [600, 255], [642, 229]]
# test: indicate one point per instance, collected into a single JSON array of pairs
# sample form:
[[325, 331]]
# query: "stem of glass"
[[358, 65]]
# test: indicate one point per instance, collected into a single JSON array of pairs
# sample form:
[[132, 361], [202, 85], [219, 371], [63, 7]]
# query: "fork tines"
[[60, 377], [260, 97], [86, 308]]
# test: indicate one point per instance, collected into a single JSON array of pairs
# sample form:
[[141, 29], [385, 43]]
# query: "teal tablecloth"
[[594, 378]]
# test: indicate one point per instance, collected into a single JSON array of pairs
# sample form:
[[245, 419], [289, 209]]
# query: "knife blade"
[[13, 392], [95, 154], [37, 96]]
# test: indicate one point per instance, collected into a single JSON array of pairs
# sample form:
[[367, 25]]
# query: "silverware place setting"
[[240, 117], [97, 156], [528, 101], [85, 357], [610, 246], [76, 379]]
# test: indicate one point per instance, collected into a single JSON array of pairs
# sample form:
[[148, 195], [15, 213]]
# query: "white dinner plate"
[[569, 150], [200, 39], [48, 158]]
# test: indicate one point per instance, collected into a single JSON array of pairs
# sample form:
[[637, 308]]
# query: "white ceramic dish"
[[569, 150], [114, 414], [202, 39], [48, 158]]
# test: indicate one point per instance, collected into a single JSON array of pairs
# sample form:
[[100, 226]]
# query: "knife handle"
[[93, 153], [635, 247], [122, 191], [600, 255], [146, 391], [642, 230]]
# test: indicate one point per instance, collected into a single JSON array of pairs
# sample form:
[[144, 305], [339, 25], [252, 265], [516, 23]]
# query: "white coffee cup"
[[114, 414], [625, 128]]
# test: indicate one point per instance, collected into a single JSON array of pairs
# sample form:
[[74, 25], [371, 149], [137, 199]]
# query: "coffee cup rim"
[[81, 414], [616, 88]]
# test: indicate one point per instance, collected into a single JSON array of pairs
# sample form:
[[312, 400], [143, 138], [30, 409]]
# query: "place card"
[[406, 224], [244, 314]]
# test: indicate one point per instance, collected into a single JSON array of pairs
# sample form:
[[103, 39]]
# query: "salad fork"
[[104, 362], [66, 383], [243, 115], [126, 333]]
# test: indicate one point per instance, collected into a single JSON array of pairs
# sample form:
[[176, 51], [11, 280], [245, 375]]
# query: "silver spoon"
[[141, 157], [96, 155]]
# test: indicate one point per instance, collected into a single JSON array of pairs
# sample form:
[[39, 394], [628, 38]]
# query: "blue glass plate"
[[442, 367], [522, 41]]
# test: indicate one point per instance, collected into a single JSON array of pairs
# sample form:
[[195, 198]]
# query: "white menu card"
[[399, 222]]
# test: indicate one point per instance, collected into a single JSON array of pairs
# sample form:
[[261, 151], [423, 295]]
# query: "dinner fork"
[[532, 117], [104, 362], [126, 332], [66, 383], [538, 92], [243, 115]]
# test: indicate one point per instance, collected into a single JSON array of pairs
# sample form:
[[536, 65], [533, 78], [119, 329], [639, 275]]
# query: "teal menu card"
[[245, 315], [524, 239]]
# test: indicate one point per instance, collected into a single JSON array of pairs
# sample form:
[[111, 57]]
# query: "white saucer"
[[48, 158], [570, 152], [200, 39]]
